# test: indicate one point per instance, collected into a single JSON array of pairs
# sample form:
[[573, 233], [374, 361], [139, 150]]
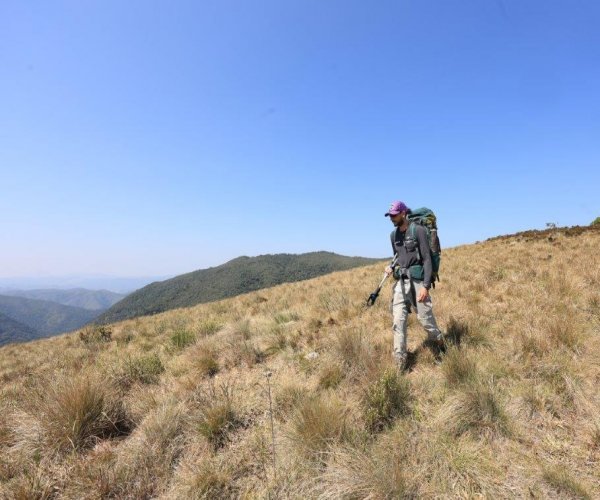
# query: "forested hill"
[[42, 317], [13, 331], [240, 275]]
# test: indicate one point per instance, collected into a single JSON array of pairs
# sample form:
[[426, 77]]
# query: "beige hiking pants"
[[400, 314]]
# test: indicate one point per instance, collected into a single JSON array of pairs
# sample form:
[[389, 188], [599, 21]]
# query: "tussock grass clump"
[[289, 397], [477, 409], [217, 414], [458, 367], [533, 345], [317, 423], [241, 349], [556, 374], [207, 362], [94, 335], [331, 376], [354, 473], [144, 369], [182, 338], [34, 486], [473, 334], [250, 354], [457, 467], [209, 327], [145, 462], [358, 356], [200, 476], [284, 317], [537, 399], [563, 332], [5, 432], [242, 329], [277, 339], [594, 441], [75, 413], [385, 400], [333, 300], [561, 480]]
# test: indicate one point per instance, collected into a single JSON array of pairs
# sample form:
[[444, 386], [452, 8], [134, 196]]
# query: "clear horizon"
[[142, 139]]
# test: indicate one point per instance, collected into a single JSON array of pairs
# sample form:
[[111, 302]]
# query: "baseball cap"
[[396, 207]]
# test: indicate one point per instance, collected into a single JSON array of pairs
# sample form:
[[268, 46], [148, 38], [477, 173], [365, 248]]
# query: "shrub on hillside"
[[595, 222], [207, 363], [145, 369], [182, 338], [385, 400], [209, 327], [96, 334]]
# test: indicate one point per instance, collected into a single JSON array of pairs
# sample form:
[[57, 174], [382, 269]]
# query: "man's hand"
[[388, 270], [423, 295]]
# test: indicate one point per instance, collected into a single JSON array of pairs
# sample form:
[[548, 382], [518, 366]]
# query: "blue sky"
[[156, 138]]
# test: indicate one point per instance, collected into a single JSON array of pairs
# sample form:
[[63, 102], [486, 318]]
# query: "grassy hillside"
[[13, 331], [93, 300], [178, 405], [45, 318], [241, 275]]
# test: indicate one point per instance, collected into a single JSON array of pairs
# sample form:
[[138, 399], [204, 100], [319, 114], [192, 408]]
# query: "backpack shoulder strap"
[[412, 228]]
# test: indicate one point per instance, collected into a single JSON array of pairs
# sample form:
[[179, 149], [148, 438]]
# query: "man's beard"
[[399, 222]]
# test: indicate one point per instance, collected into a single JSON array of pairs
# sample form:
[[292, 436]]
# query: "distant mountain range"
[[89, 282], [27, 319], [241, 275], [93, 300]]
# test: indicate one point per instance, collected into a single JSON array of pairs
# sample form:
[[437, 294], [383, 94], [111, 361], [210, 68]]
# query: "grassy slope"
[[237, 276], [511, 411]]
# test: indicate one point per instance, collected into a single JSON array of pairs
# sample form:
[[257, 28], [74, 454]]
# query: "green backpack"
[[426, 218]]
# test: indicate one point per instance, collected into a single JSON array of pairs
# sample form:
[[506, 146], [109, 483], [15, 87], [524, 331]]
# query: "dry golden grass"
[[177, 405]]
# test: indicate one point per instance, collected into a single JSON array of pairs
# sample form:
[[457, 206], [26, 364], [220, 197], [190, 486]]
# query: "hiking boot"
[[437, 348]]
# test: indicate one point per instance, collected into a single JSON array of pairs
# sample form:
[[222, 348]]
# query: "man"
[[413, 271]]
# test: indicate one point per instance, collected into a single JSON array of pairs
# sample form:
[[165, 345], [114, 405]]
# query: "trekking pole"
[[373, 297]]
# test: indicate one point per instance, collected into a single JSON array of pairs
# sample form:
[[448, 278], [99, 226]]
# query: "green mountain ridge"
[[240, 275]]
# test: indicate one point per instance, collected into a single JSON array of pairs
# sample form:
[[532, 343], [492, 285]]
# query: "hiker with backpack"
[[417, 252]]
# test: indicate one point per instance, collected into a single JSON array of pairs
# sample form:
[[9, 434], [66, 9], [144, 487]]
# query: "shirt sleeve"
[[425, 252]]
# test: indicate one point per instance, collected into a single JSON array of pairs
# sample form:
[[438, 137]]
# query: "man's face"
[[397, 219]]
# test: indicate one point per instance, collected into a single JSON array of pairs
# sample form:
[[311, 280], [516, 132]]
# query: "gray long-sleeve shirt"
[[408, 255]]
